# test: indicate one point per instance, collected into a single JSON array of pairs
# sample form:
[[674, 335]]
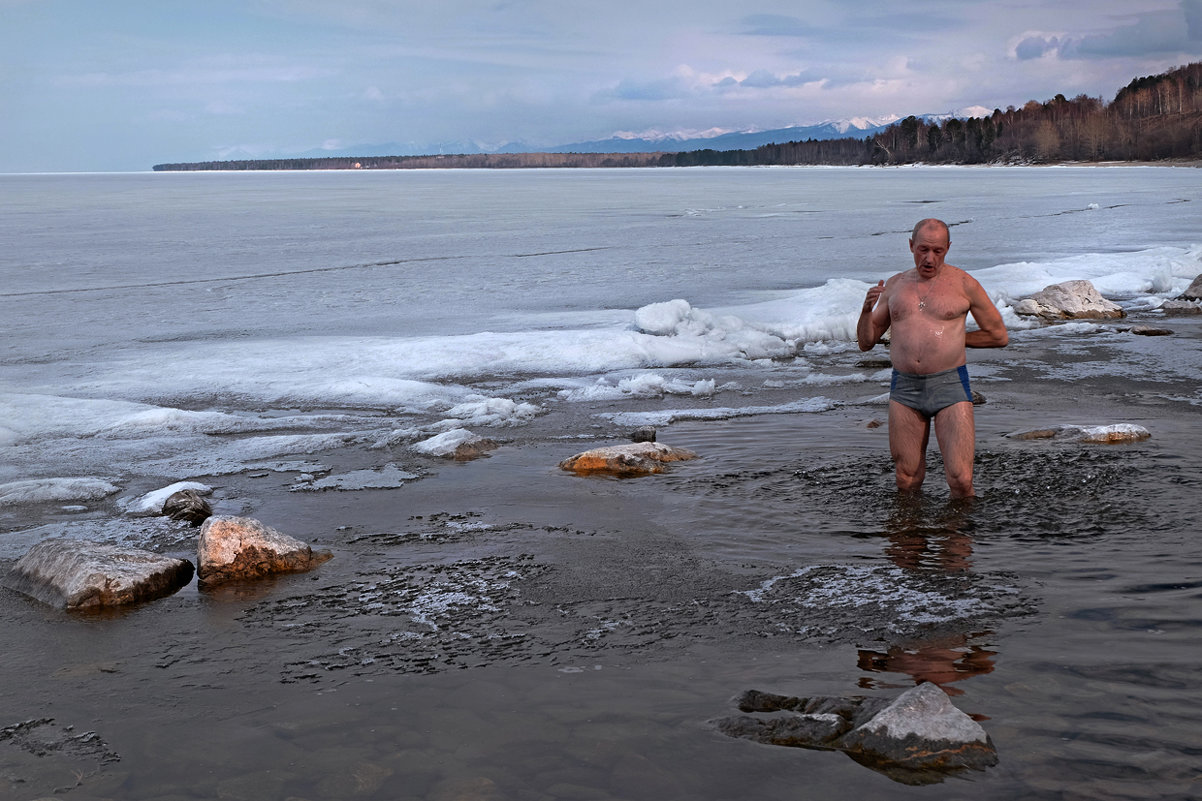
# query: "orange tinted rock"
[[632, 459], [239, 548]]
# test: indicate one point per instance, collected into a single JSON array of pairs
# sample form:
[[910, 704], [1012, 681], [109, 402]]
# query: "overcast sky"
[[125, 84]]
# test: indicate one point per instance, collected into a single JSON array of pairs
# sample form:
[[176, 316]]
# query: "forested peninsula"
[[1155, 118]]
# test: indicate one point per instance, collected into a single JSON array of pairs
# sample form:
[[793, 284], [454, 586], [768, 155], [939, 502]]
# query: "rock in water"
[[634, 459], [458, 444], [643, 434], [1076, 300], [1112, 434], [1180, 307], [239, 548], [918, 738], [1193, 291], [78, 574], [1150, 331], [922, 730], [187, 505]]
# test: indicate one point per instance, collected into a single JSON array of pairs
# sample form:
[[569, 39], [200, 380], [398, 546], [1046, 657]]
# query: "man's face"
[[929, 247]]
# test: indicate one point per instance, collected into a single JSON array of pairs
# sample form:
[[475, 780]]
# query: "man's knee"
[[959, 482], [909, 476]]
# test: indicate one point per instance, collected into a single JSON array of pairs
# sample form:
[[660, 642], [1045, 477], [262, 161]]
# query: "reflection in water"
[[940, 660], [942, 546]]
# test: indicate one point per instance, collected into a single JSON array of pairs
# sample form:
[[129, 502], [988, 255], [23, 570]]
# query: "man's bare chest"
[[916, 301]]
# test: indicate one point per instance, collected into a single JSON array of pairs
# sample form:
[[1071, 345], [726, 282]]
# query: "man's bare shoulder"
[[971, 286], [962, 278]]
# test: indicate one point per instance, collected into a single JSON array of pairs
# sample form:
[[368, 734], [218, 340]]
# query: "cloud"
[[1036, 46], [1153, 33], [1193, 19], [664, 89], [763, 79], [778, 25], [687, 83], [221, 71]]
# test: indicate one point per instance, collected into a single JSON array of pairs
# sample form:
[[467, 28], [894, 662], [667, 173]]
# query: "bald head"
[[931, 222]]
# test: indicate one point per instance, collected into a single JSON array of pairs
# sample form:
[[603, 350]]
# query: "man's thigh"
[[909, 432], [956, 434]]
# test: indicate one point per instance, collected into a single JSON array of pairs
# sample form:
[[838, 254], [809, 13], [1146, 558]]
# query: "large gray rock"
[[78, 574], [631, 459], [922, 730], [917, 738], [239, 548], [1071, 300], [1193, 291]]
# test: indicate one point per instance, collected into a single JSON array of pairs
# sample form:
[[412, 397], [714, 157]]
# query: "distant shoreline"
[[517, 161]]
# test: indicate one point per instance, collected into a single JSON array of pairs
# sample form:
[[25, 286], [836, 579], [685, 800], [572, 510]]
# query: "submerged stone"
[[79, 574], [239, 548], [633, 459]]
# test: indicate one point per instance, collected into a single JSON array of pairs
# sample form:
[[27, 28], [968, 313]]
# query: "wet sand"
[[502, 630]]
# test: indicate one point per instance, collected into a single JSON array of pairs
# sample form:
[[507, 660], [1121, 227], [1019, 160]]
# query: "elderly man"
[[927, 308]]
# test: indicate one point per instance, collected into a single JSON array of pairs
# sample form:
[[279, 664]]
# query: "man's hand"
[[872, 324], [871, 298]]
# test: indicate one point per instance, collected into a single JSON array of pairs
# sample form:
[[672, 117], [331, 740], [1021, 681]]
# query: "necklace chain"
[[922, 302]]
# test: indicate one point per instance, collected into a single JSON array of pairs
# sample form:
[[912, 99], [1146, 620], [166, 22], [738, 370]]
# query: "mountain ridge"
[[648, 142]]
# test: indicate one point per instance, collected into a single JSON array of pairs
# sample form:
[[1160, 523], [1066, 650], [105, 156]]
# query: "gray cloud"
[[778, 25], [1036, 47], [666, 89], [1193, 19], [1153, 33], [763, 79]]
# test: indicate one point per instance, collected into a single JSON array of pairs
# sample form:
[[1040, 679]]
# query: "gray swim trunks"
[[930, 394]]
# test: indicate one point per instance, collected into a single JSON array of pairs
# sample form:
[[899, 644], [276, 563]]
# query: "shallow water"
[[610, 621], [500, 629]]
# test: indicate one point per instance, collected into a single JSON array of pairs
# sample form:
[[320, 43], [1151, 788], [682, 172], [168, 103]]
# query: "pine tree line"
[[1151, 119]]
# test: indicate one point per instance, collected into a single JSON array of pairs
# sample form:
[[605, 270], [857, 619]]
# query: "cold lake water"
[[500, 629]]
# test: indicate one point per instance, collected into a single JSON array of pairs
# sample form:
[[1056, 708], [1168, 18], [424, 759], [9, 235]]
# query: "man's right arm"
[[874, 318]]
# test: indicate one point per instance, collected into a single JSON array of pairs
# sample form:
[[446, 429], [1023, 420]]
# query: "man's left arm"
[[992, 331]]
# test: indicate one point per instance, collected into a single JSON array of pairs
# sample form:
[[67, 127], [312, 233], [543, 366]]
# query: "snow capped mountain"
[[650, 140], [656, 135], [863, 123]]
